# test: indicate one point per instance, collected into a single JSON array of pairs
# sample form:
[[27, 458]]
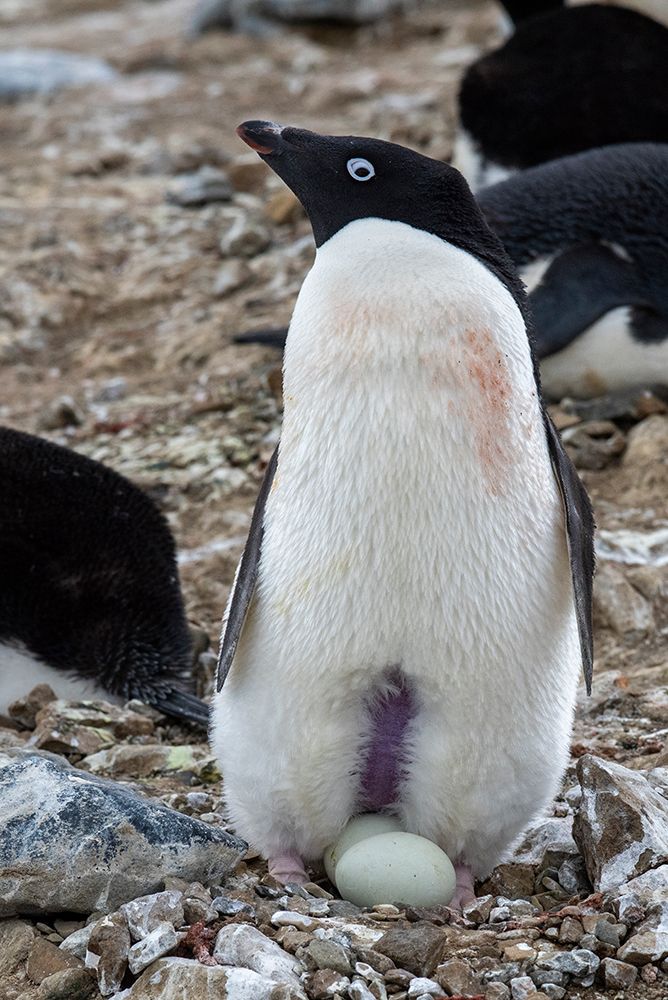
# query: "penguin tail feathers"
[[179, 705], [272, 337]]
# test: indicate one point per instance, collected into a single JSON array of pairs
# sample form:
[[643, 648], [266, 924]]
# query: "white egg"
[[358, 828], [396, 867]]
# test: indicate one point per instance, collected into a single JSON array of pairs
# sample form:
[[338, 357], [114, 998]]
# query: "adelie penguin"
[[90, 601], [568, 79], [589, 235], [412, 610]]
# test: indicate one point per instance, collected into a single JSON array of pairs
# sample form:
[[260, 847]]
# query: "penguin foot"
[[286, 868], [464, 892]]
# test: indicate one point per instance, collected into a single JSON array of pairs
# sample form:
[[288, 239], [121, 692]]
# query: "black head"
[[339, 179], [521, 10]]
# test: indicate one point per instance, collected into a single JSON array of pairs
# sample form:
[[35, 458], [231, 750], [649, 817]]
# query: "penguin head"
[[341, 179]]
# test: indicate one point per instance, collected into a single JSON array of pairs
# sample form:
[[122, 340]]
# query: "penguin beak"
[[264, 137]]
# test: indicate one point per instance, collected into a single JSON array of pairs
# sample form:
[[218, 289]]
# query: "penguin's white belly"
[[604, 358], [20, 672], [414, 524]]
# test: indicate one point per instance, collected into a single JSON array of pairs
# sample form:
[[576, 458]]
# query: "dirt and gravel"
[[137, 236]]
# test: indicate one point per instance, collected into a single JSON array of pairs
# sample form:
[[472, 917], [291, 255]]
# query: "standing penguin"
[[413, 606], [589, 235], [90, 601], [567, 80]]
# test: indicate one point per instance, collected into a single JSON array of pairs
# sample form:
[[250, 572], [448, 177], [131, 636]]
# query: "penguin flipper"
[[580, 534], [179, 705], [245, 579], [582, 284], [272, 337]]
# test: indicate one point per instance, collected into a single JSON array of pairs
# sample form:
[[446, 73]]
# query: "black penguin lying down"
[[567, 80], [589, 235], [90, 601]]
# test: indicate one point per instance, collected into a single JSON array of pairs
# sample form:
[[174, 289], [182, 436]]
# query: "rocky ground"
[[137, 236]]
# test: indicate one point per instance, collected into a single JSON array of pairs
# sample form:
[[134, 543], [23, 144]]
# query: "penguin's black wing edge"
[[245, 579], [272, 337], [179, 705], [580, 527]]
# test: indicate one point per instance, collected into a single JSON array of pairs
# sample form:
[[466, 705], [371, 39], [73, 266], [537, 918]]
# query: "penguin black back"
[[89, 581], [567, 80]]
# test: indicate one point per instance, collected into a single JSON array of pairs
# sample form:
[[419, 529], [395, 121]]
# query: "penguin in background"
[[412, 610], [567, 80], [589, 235], [90, 601]]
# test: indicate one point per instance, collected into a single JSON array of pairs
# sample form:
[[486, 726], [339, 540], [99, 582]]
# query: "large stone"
[[618, 975], [176, 978], [649, 943], [552, 836], [73, 842], [157, 944], [46, 958], [246, 946], [257, 15], [24, 72], [619, 605], [16, 942], [418, 947], [70, 984], [457, 977], [147, 912], [107, 952], [621, 824]]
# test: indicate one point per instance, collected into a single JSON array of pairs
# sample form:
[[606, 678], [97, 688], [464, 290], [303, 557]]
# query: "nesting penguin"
[[90, 601], [589, 235], [413, 607], [567, 80]]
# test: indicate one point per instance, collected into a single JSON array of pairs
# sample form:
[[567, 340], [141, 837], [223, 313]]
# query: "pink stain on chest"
[[485, 379]]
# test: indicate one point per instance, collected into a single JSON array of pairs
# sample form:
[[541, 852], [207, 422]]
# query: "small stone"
[[158, 943], [571, 931], [618, 975], [649, 942], [417, 947], [607, 932], [456, 977], [619, 605], [46, 958], [328, 955], [70, 984], [579, 963], [176, 978], [649, 974], [244, 945], [499, 914], [594, 444], [553, 992], [382, 964], [512, 881], [420, 987], [146, 913], [205, 185], [522, 988], [248, 173], [232, 907], [289, 918], [244, 236], [60, 413], [497, 991], [232, 275], [573, 876], [358, 990], [478, 912], [24, 710], [107, 952], [520, 952], [326, 983], [76, 943]]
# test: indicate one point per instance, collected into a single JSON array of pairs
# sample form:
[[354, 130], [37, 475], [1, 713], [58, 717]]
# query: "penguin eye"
[[360, 169]]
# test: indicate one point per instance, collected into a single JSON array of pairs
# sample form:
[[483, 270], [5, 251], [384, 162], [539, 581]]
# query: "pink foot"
[[464, 893], [286, 868]]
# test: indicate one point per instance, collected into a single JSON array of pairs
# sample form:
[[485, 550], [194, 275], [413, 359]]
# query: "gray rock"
[[232, 907], [77, 942], [420, 987], [649, 943], [244, 236], [553, 834], [68, 984], [107, 952], [457, 977], [479, 911], [497, 991], [553, 992], [328, 955], [232, 275], [417, 948], [522, 988], [258, 15], [579, 963], [201, 187], [176, 978], [24, 72], [246, 946], [148, 912], [161, 940], [619, 605], [641, 892], [73, 842], [618, 975], [621, 825]]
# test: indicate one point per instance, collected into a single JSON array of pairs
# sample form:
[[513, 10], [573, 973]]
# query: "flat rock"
[[176, 978], [70, 984], [201, 187], [147, 912], [246, 946], [621, 824], [46, 958], [72, 842], [649, 943], [418, 947], [553, 834], [158, 943], [618, 975], [24, 72]]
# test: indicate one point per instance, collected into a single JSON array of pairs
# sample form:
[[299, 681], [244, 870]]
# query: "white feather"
[[20, 672], [478, 171], [414, 521]]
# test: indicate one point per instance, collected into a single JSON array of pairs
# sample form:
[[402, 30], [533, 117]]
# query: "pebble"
[[478, 912], [77, 942], [326, 983], [329, 955], [201, 187], [522, 988], [26, 71], [70, 984], [497, 991], [232, 275], [456, 976], [146, 913], [579, 963], [244, 945], [519, 952], [107, 952], [419, 987], [618, 975], [289, 918], [417, 948], [571, 931], [244, 236], [232, 907], [158, 943]]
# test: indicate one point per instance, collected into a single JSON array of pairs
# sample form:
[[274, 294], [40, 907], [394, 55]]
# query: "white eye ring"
[[360, 169]]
